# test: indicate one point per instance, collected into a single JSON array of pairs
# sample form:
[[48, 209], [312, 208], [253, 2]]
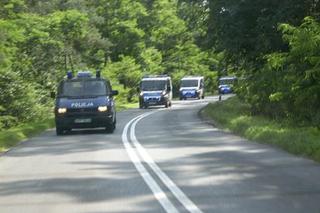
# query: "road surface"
[[158, 160]]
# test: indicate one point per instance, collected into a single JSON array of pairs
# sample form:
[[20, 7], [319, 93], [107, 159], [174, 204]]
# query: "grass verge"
[[13, 136], [124, 106], [235, 116]]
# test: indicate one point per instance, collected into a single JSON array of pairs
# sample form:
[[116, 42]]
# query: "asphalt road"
[[157, 160]]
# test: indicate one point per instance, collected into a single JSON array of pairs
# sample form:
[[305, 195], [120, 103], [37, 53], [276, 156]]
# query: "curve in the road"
[[136, 152]]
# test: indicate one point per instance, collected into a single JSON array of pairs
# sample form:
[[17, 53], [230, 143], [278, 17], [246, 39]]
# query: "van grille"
[[80, 110]]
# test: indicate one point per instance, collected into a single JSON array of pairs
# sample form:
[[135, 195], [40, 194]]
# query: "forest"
[[273, 47]]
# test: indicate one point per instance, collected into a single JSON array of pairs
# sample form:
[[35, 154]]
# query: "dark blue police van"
[[85, 101], [226, 84]]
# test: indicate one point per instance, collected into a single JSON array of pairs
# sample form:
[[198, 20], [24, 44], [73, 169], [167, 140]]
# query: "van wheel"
[[202, 97], [59, 131], [110, 128], [167, 104]]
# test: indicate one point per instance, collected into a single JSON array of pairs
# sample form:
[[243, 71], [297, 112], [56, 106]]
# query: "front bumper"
[[84, 120], [153, 100], [189, 94], [225, 91]]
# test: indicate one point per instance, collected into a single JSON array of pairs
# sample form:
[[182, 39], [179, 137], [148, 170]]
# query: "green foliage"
[[11, 8], [127, 72], [10, 35], [152, 61], [13, 136], [248, 28], [235, 115], [303, 63], [19, 100], [288, 84], [168, 29], [41, 40], [195, 14], [274, 50]]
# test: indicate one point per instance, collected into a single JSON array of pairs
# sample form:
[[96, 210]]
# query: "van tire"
[[111, 127], [59, 131]]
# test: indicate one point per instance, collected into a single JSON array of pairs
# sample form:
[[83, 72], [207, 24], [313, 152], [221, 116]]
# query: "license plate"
[[81, 121]]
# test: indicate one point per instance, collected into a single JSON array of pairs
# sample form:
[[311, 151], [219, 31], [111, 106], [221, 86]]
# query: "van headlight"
[[141, 93], [163, 93], [62, 110], [102, 108]]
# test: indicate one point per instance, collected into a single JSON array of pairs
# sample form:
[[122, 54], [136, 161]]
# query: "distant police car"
[[226, 84], [191, 87], [85, 102], [155, 90]]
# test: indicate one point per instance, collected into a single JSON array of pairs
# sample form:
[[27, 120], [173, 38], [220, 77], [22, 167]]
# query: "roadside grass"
[[12, 136], [234, 116], [124, 106]]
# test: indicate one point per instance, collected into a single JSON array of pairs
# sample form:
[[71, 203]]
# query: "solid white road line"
[[176, 191], [156, 190]]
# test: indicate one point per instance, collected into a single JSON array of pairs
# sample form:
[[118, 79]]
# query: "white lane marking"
[[156, 190], [176, 191]]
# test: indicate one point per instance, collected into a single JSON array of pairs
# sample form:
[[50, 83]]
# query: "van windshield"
[[153, 85], [227, 81], [83, 88], [189, 83]]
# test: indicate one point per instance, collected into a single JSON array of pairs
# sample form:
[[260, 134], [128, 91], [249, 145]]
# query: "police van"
[[192, 87], [226, 84], [155, 90], [85, 101]]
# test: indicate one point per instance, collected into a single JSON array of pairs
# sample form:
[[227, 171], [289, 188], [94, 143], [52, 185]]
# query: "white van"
[[155, 90], [192, 87]]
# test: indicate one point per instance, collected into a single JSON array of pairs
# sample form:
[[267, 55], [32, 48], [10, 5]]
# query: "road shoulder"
[[233, 116]]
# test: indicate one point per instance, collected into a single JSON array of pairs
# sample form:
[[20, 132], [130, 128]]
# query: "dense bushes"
[[288, 84], [274, 50]]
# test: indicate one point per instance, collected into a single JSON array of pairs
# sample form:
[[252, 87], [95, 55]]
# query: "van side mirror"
[[52, 94], [114, 92], [169, 89]]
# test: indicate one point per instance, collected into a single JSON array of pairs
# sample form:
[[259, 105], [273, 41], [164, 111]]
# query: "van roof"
[[228, 78], [192, 78], [155, 78]]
